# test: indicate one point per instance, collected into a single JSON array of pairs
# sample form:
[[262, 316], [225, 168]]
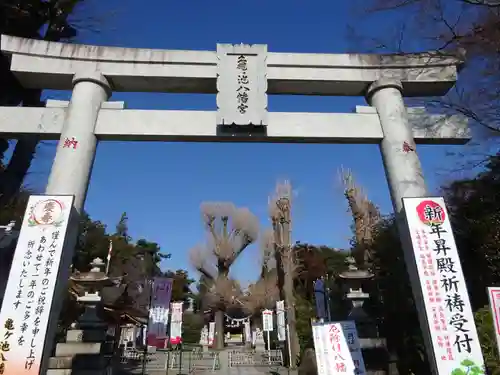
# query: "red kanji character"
[[340, 367], [407, 148], [68, 143]]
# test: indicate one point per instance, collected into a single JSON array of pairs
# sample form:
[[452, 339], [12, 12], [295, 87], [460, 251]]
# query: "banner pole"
[[150, 282]]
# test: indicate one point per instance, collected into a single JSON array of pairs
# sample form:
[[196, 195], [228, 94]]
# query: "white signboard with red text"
[[25, 312], [337, 348], [267, 320], [494, 297], [450, 322]]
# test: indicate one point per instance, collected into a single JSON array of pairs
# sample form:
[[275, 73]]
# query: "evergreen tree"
[[36, 19]]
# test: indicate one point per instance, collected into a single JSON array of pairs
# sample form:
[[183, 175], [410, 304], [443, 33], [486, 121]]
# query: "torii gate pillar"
[[399, 154], [72, 167]]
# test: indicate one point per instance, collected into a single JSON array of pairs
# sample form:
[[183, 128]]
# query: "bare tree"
[[467, 27], [264, 292], [268, 252], [280, 211], [230, 230], [366, 216], [261, 295]]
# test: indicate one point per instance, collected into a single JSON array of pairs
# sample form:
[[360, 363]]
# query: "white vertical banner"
[[444, 306], [267, 320], [494, 297], [211, 333], [332, 351], [29, 296], [280, 320], [176, 323]]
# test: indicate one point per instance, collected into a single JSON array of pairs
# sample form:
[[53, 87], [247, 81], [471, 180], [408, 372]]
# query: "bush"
[[486, 333], [192, 325], [305, 311]]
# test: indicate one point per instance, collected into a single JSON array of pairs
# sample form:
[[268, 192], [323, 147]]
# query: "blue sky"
[[161, 185]]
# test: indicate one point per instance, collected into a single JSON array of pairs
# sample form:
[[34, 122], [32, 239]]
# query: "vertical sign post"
[[26, 316], [494, 297], [267, 325], [439, 287]]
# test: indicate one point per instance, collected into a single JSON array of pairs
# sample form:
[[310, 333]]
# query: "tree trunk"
[[280, 270], [10, 89], [24, 153], [288, 263], [219, 329], [16, 170], [291, 317]]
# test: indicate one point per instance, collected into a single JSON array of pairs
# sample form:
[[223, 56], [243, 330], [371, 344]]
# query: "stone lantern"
[[92, 282], [354, 279], [373, 347], [85, 349]]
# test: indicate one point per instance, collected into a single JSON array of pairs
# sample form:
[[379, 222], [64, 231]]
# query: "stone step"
[[85, 335], [371, 343], [76, 372], [79, 361], [64, 349]]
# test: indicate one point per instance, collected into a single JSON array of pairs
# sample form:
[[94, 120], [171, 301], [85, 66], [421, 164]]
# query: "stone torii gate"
[[242, 76]]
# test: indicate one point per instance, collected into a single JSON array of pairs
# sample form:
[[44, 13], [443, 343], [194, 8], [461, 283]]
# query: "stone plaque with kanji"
[[241, 85]]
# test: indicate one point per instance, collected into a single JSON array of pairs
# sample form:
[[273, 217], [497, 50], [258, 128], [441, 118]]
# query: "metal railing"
[[271, 358], [133, 361]]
